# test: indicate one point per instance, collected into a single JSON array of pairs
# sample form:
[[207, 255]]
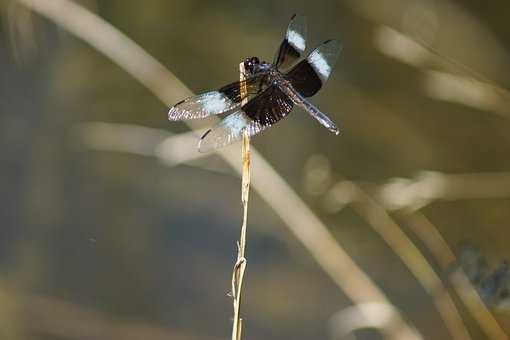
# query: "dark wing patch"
[[257, 115], [225, 99], [269, 107], [308, 76], [304, 79], [294, 44]]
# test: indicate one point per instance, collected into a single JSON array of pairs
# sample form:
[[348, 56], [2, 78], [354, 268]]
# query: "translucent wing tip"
[[228, 131], [174, 114], [331, 46], [324, 57], [171, 114], [297, 26], [203, 145], [204, 105], [297, 17]]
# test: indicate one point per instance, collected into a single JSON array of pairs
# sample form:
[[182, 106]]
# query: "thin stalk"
[[240, 266]]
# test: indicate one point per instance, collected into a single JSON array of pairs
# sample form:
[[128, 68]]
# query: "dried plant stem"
[[240, 266]]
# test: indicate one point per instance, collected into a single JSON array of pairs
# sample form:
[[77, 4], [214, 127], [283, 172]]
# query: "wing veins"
[[261, 112]]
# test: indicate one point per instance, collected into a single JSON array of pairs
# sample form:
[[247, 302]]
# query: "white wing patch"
[[236, 122], [228, 131], [320, 64], [296, 40], [201, 106], [215, 102]]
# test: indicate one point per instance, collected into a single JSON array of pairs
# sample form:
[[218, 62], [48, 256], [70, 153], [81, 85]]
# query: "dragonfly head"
[[251, 65]]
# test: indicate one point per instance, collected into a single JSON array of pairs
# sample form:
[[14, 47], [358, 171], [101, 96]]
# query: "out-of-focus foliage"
[[110, 244]]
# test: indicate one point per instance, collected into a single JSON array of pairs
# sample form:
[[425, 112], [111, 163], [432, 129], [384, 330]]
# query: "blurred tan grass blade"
[[376, 215], [410, 40], [431, 237], [411, 256], [431, 186], [396, 196], [298, 217], [464, 86], [350, 319]]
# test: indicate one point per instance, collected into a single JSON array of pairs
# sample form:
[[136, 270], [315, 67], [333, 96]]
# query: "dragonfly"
[[268, 92]]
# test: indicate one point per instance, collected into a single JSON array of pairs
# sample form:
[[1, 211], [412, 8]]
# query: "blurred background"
[[108, 231]]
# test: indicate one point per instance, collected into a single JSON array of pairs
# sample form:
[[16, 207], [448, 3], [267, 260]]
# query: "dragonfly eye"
[[250, 63], [247, 64]]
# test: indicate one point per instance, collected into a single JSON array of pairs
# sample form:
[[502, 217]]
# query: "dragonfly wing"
[[258, 114], [310, 74], [294, 44], [225, 99]]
